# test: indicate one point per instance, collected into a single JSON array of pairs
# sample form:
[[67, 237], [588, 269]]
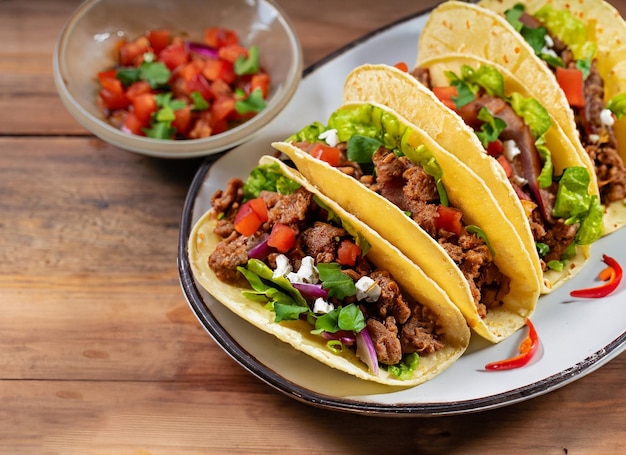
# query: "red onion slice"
[[311, 290], [365, 350], [201, 49], [261, 250], [346, 338]]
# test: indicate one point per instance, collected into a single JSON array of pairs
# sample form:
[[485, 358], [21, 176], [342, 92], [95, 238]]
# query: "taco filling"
[[304, 263], [560, 39], [561, 212], [368, 144]]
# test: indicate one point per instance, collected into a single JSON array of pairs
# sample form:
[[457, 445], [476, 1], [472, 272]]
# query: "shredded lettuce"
[[405, 369], [617, 105], [491, 128], [309, 133], [573, 32], [575, 204], [534, 114], [547, 170], [268, 178]]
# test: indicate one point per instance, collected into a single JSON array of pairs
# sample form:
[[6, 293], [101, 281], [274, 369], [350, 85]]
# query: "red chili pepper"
[[611, 274], [527, 349]]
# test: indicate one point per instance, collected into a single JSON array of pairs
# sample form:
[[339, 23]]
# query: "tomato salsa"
[[165, 86]]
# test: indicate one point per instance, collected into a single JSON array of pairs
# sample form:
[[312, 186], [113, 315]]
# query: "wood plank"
[[73, 417]]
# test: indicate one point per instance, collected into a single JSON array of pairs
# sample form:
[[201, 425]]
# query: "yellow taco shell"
[[413, 280], [466, 192]]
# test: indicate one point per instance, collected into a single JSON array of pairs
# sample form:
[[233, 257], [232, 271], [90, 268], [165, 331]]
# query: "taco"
[[422, 199], [555, 220], [565, 53], [290, 261]]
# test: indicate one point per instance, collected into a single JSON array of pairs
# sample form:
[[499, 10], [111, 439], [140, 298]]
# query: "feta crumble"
[[367, 289]]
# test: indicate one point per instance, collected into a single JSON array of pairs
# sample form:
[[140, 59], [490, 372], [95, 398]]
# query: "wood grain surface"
[[99, 351]]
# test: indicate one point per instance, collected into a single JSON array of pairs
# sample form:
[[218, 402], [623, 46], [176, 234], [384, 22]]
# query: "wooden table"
[[99, 351]]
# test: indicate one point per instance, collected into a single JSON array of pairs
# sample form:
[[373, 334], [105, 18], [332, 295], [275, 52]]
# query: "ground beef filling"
[[396, 323], [597, 138], [545, 228], [407, 186]]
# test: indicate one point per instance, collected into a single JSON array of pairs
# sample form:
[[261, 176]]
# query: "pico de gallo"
[[165, 86]]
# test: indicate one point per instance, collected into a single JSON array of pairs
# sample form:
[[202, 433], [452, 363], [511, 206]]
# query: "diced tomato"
[[132, 125], [159, 39], [231, 52], [222, 108], [282, 237], [348, 252], [221, 88], [174, 55], [218, 37], [445, 95], [219, 70], [508, 170], [573, 85], [250, 216], [262, 81], [189, 70], [199, 84], [495, 148], [113, 100], [326, 153], [449, 219], [144, 106], [109, 74], [132, 53], [402, 66], [138, 88], [182, 120]]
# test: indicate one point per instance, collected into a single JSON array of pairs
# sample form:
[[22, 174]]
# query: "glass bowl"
[[86, 47]]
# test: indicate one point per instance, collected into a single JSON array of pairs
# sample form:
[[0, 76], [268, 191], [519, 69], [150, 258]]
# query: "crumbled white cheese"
[[367, 289], [307, 273], [330, 136], [547, 51], [322, 306], [594, 138], [548, 40], [606, 117], [283, 266], [521, 181], [511, 150]]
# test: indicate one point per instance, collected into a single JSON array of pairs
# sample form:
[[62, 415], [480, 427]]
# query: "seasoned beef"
[[321, 241], [222, 200], [227, 256], [385, 338], [391, 301], [419, 334], [389, 172], [291, 209]]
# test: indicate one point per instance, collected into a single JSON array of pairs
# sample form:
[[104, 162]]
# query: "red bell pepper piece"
[[572, 83], [612, 274], [527, 348], [330, 155]]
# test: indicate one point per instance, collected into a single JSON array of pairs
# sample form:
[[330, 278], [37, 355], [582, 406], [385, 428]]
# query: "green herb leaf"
[[127, 75], [348, 318], [199, 103], [248, 65], [542, 249], [339, 284], [154, 73], [361, 148], [253, 103]]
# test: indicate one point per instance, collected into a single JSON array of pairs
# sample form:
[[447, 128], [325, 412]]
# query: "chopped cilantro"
[[249, 65], [491, 129], [253, 103]]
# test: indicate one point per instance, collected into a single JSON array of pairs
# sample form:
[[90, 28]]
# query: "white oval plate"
[[577, 336]]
